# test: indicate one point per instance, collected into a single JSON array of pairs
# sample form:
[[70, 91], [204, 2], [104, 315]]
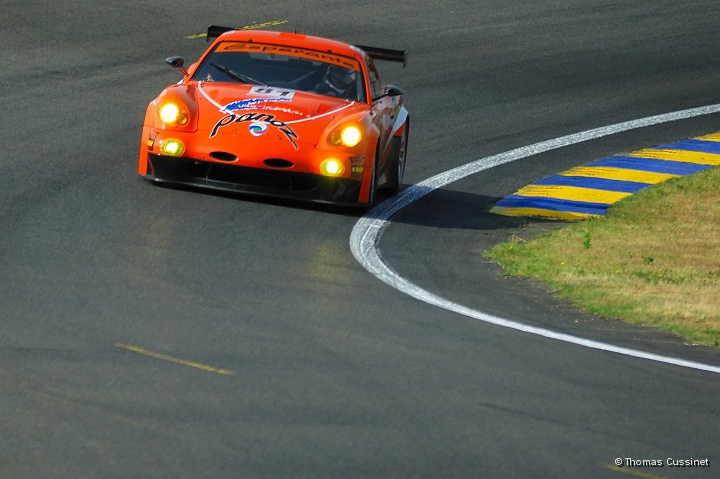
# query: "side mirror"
[[390, 90], [178, 63]]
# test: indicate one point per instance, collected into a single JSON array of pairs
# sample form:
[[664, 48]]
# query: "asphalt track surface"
[[154, 332]]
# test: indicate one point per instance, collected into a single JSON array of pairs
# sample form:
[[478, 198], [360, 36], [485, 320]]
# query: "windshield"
[[284, 67]]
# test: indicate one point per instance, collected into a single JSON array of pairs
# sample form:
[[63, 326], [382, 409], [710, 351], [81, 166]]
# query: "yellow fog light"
[[172, 114], [331, 167], [172, 147]]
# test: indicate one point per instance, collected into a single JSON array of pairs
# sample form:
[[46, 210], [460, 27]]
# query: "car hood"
[[306, 115]]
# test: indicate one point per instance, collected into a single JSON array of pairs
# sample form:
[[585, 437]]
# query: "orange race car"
[[280, 114]]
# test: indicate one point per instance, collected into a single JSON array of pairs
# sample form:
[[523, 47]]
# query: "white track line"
[[368, 230]]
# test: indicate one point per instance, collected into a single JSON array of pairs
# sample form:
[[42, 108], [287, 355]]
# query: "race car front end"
[[259, 142], [167, 161]]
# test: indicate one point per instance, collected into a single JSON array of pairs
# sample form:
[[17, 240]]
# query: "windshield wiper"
[[237, 76]]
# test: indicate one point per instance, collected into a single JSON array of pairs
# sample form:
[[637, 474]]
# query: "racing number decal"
[[272, 92]]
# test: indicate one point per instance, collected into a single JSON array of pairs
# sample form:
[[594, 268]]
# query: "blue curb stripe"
[[553, 204], [692, 145], [620, 175], [649, 164], [594, 183]]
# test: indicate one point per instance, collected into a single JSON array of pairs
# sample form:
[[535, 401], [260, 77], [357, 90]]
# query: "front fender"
[[400, 121]]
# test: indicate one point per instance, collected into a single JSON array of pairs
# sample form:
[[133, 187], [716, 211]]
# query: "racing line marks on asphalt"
[[644, 475], [254, 26], [367, 232], [165, 357]]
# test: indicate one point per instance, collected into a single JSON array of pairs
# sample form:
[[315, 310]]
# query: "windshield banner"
[[324, 57]]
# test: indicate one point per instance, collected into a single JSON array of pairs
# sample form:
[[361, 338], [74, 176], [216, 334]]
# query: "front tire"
[[397, 168], [372, 196]]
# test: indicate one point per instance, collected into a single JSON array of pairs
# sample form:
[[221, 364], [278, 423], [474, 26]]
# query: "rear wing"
[[386, 54], [375, 53], [215, 31]]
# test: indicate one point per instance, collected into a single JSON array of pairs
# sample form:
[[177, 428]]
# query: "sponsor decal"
[[257, 128], [285, 110], [255, 119], [251, 104], [260, 104]]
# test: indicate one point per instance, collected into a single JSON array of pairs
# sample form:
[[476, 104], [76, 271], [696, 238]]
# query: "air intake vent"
[[222, 156], [277, 163]]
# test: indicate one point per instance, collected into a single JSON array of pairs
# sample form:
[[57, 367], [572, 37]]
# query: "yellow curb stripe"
[[543, 213], [172, 359], [572, 193], [620, 174], [697, 157], [710, 137]]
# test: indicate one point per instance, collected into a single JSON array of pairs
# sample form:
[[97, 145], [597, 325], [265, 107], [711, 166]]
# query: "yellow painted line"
[[698, 157], [573, 193], [172, 359], [254, 26], [621, 174], [196, 35], [710, 137], [633, 472], [541, 212]]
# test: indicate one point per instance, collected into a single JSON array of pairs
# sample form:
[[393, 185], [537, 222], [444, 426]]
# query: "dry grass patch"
[[653, 260]]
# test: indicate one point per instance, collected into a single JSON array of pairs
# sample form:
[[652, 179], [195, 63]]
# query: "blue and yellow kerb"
[[589, 190]]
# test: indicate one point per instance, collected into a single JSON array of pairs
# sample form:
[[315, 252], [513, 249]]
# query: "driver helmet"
[[339, 79]]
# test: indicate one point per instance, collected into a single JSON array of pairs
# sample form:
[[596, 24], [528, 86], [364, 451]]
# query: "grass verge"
[[653, 260]]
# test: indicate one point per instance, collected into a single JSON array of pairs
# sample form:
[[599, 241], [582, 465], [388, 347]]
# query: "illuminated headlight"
[[172, 114], [348, 135], [331, 167], [172, 147]]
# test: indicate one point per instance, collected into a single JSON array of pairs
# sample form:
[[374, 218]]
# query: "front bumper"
[[256, 181]]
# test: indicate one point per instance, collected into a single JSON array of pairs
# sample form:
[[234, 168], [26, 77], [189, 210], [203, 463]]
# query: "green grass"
[[653, 260]]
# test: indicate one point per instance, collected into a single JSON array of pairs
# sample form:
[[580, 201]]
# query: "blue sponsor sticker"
[[251, 104]]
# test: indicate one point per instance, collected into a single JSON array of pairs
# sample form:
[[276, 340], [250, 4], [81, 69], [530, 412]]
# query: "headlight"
[[346, 135], [350, 136], [173, 114]]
